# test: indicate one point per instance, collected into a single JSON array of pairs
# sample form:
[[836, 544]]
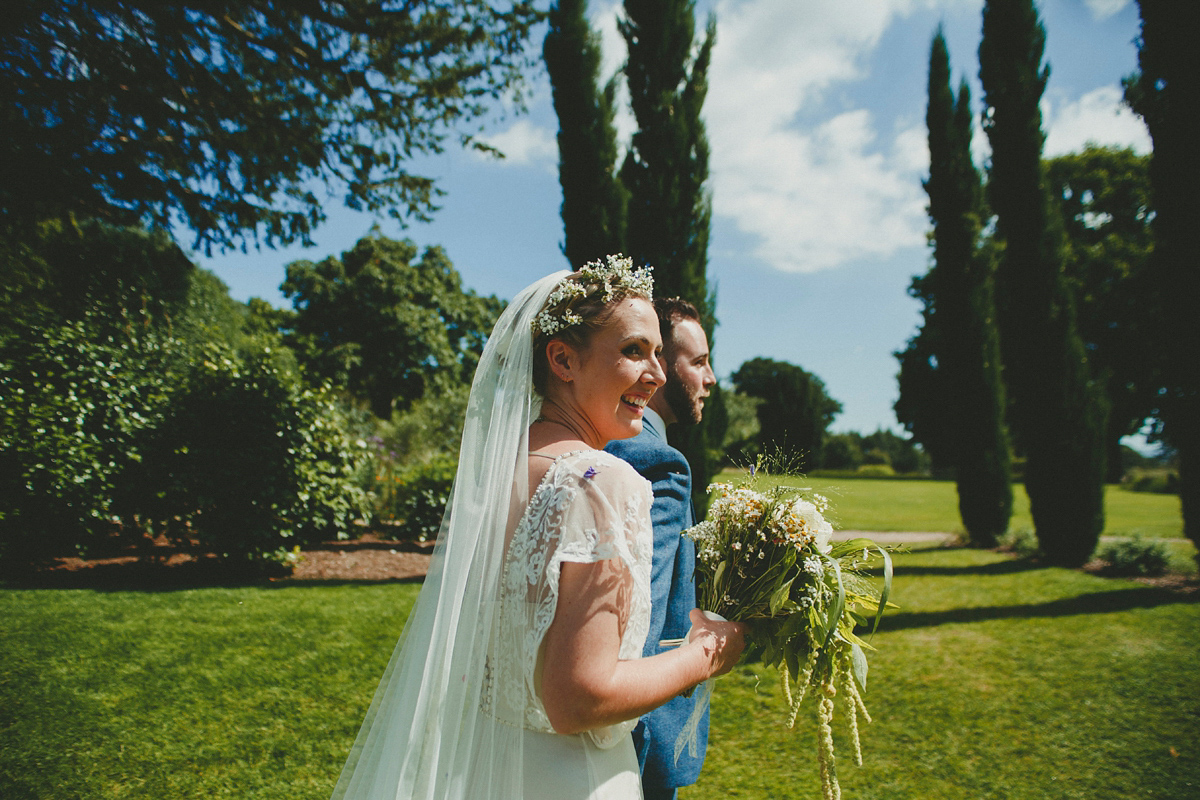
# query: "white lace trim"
[[589, 507]]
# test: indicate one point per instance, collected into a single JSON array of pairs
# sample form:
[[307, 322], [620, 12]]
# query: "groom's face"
[[689, 375]]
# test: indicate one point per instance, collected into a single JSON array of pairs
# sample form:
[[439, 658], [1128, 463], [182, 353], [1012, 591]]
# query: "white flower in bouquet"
[[815, 522]]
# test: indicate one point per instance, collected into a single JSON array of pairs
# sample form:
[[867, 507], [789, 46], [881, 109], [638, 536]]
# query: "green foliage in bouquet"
[[766, 558]]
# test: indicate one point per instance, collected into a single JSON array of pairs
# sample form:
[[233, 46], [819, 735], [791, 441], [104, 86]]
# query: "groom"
[[672, 589]]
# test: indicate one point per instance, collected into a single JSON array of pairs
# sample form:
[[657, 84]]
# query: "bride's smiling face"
[[608, 382]]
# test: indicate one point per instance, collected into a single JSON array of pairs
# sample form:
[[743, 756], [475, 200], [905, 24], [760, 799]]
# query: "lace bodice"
[[590, 506]]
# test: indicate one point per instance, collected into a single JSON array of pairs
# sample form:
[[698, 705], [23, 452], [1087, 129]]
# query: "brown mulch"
[[160, 565], [371, 558], [368, 558]]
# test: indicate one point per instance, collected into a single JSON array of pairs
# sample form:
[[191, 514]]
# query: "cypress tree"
[[962, 310], [593, 208], [1057, 414], [922, 407], [666, 169], [1166, 94]]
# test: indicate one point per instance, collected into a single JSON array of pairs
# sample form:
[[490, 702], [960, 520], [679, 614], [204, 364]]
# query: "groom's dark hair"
[[671, 311]]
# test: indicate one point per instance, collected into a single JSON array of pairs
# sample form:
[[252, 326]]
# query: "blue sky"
[[815, 117]]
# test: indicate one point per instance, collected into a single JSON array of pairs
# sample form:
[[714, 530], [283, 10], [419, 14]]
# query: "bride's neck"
[[555, 426]]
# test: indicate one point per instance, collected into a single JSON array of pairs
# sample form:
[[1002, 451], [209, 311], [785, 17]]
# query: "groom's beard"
[[684, 405]]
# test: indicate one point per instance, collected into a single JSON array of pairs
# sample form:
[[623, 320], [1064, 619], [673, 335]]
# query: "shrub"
[[133, 400], [250, 461], [1134, 557], [419, 498], [1158, 481], [1022, 542], [431, 429], [876, 471], [73, 406]]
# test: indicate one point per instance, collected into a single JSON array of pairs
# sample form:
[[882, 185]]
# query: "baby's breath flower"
[[607, 277]]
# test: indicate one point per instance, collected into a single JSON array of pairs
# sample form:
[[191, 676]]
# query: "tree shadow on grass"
[[1107, 602], [1006, 567]]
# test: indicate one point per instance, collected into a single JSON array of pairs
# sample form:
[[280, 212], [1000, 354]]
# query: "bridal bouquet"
[[765, 558]]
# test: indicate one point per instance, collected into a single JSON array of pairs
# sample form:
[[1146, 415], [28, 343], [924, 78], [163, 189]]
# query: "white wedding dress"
[[590, 506], [458, 713]]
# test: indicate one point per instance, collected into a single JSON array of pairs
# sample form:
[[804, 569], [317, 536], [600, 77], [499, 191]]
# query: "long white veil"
[[425, 735]]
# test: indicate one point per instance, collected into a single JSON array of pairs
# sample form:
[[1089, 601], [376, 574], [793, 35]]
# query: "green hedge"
[[232, 454], [873, 471], [1158, 481], [73, 408]]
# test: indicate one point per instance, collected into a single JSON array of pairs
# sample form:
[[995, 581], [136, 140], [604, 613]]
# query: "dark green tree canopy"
[[1104, 197], [1165, 94], [666, 168], [223, 115], [795, 410], [114, 280], [385, 324]]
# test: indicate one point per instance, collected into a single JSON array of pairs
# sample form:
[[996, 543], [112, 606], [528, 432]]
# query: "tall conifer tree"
[[1166, 94], [665, 172], [1057, 413], [593, 208], [961, 308], [666, 168]]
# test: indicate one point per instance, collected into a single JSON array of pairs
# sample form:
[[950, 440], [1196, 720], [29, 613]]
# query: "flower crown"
[[604, 279]]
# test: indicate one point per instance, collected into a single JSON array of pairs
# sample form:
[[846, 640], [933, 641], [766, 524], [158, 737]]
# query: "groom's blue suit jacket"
[[672, 596]]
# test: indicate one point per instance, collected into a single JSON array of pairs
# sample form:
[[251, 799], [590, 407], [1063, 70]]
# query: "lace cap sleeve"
[[606, 506]]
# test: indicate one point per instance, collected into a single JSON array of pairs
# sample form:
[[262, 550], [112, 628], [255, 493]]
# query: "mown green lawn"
[[250, 692], [994, 680], [874, 504]]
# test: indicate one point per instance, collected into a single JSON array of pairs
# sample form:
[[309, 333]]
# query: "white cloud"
[[910, 150], [817, 199], [815, 194], [525, 144], [1098, 117], [1103, 9], [815, 178]]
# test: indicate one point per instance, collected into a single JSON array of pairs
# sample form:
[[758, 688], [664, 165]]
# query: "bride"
[[518, 674]]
